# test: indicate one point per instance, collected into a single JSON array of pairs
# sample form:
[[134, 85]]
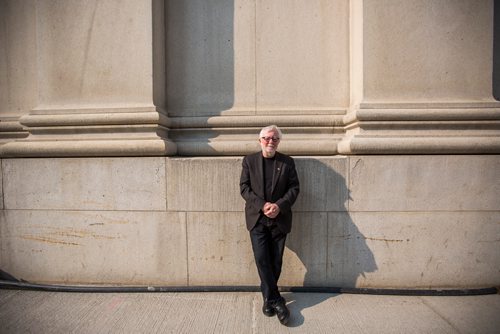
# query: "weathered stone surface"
[[414, 78], [348, 255], [18, 72], [305, 259], [1, 186], [80, 59], [219, 249], [323, 184], [416, 249], [410, 220], [211, 57], [85, 184], [302, 56], [204, 184], [71, 147], [94, 247], [213, 184], [239, 58], [424, 183], [427, 51]]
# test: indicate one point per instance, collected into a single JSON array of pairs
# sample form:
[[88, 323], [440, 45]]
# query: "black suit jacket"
[[284, 192]]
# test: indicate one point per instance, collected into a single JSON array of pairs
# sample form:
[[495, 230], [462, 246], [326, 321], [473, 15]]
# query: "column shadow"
[[199, 71], [199, 57]]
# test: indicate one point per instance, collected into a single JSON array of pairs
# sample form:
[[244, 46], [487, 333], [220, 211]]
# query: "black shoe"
[[282, 311], [268, 309]]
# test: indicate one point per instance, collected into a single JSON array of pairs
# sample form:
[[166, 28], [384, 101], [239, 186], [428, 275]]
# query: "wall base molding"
[[371, 128], [426, 128]]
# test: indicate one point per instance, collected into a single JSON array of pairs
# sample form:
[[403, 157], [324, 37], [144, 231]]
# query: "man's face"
[[270, 145]]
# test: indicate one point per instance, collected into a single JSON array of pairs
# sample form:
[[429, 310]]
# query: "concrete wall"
[[427, 50], [123, 124], [199, 78], [366, 221]]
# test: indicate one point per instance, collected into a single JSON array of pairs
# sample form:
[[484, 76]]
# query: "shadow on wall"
[[199, 57], [5, 276], [324, 237], [328, 247]]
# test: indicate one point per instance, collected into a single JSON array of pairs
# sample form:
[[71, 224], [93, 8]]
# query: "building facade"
[[123, 125]]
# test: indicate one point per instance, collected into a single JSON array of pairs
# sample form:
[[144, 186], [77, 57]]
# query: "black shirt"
[[268, 165]]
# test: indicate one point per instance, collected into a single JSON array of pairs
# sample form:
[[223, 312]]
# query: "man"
[[269, 185]]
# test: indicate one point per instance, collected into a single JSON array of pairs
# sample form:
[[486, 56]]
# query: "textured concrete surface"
[[456, 63], [97, 79], [213, 182], [241, 58], [107, 247], [49, 312], [289, 78], [365, 221], [219, 249], [85, 184], [420, 249], [424, 183]]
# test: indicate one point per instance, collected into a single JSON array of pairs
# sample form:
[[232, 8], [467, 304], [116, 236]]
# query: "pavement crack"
[[254, 314], [440, 315], [216, 323]]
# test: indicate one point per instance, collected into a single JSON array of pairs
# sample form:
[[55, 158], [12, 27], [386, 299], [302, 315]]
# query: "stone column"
[[18, 82], [91, 78], [422, 78]]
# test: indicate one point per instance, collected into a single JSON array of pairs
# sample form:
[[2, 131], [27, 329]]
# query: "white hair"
[[269, 128]]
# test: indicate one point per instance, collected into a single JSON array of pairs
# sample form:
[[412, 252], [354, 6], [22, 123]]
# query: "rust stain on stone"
[[64, 236], [49, 240], [79, 234], [386, 240], [121, 222]]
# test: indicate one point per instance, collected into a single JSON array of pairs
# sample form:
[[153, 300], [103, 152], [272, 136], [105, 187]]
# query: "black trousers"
[[268, 244]]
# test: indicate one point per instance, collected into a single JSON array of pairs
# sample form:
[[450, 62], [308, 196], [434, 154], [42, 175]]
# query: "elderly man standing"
[[269, 185]]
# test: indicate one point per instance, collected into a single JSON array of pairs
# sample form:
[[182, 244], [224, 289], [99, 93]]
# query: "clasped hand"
[[271, 210]]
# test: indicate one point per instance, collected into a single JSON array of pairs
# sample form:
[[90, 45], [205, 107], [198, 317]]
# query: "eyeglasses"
[[268, 139]]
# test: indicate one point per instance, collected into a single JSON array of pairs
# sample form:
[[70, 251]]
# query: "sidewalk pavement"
[[24, 311]]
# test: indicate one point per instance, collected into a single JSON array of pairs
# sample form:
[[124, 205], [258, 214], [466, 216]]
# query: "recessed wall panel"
[[428, 51], [302, 56], [210, 57], [18, 73], [94, 53]]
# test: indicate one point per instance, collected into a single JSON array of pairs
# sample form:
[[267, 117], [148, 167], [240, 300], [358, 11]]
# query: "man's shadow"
[[325, 247]]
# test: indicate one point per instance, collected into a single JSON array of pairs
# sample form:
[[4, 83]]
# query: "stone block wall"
[[123, 124], [364, 221]]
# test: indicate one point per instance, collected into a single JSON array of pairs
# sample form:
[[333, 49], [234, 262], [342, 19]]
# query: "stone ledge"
[[420, 145], [258, 121], [10, 129], [433, 114], [376, 128], [88, 119], [88, 148]]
